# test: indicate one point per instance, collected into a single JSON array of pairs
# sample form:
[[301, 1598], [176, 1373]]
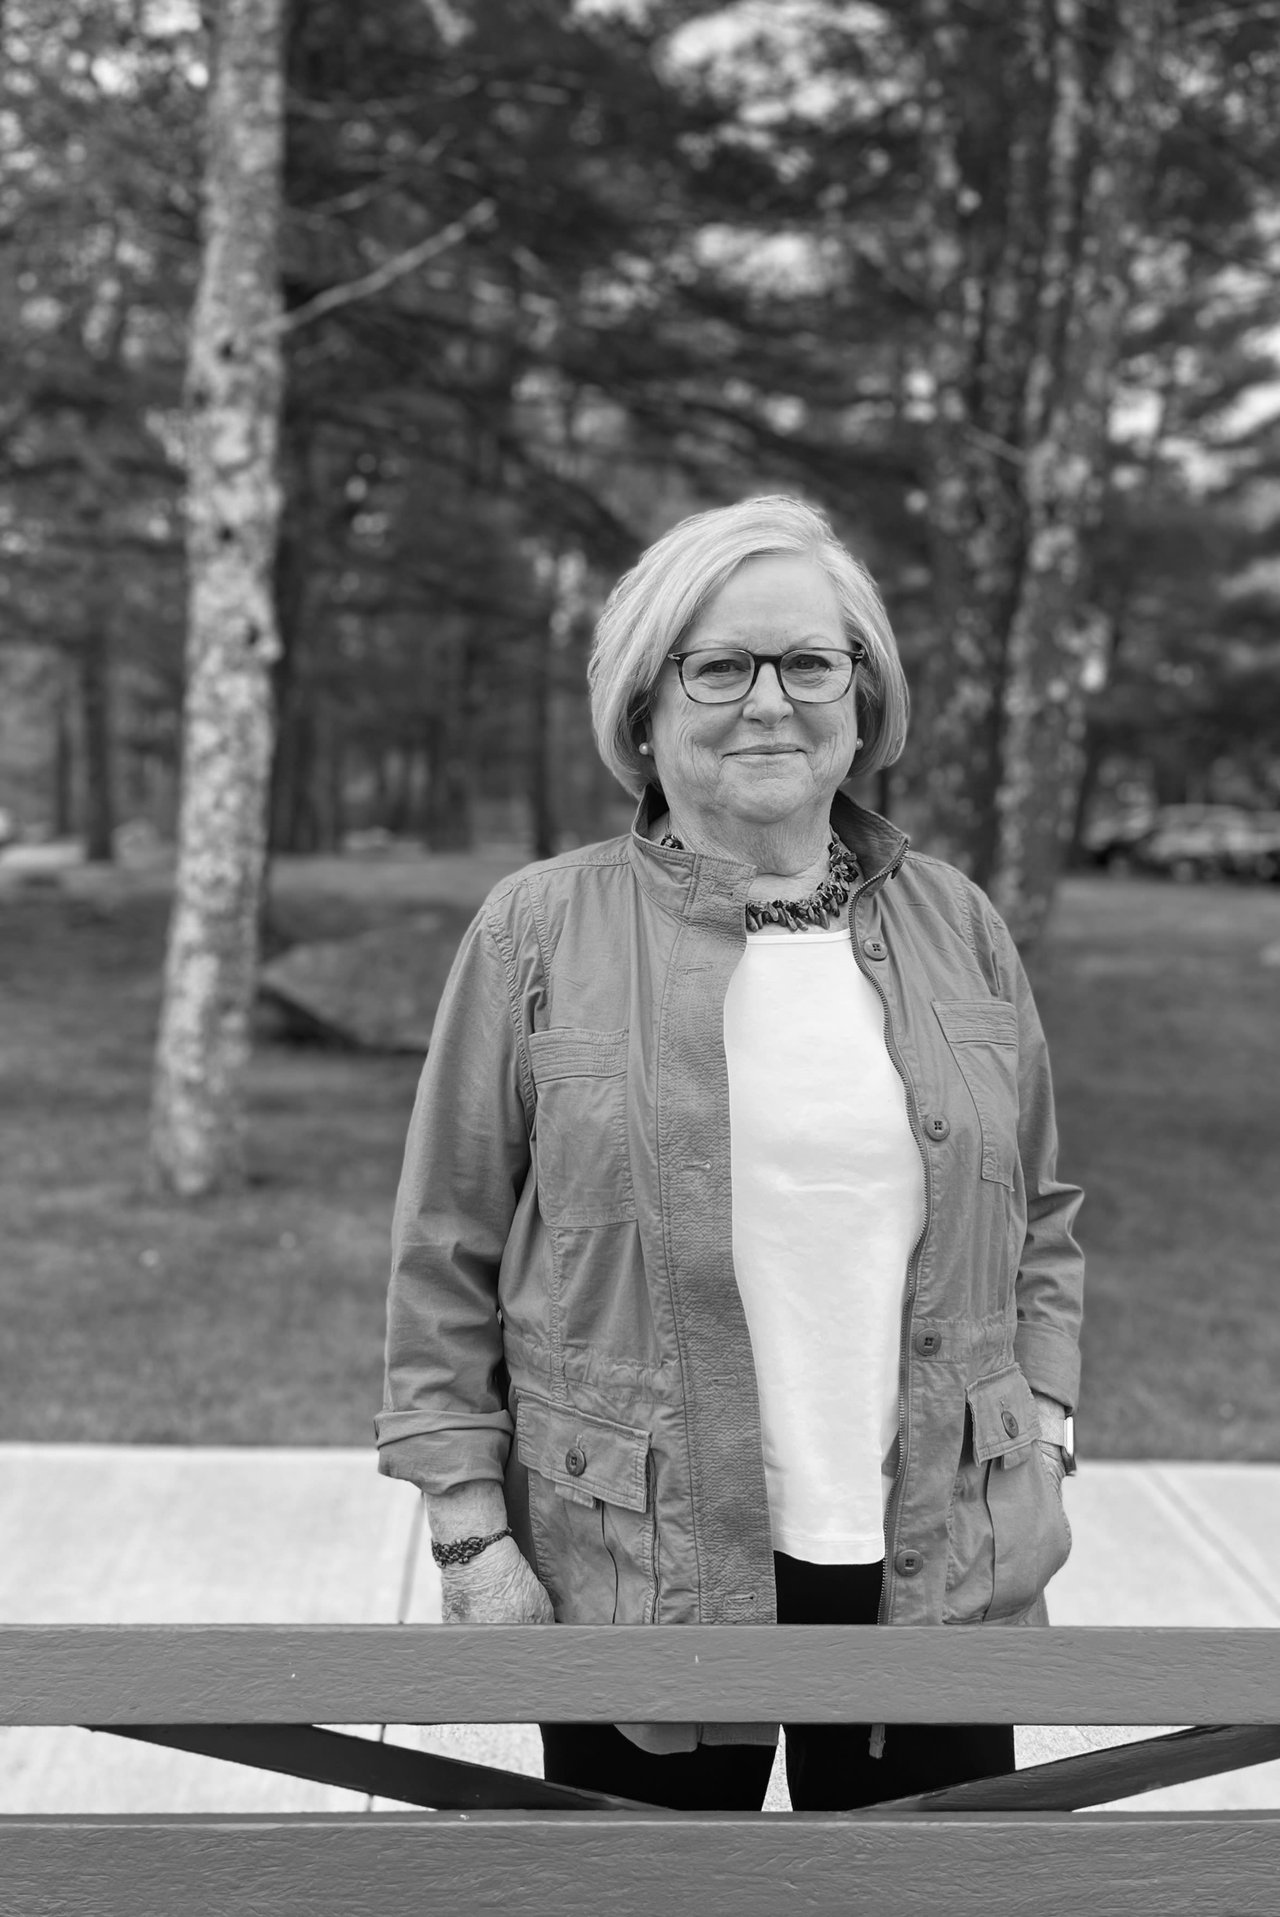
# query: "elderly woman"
[[733, 1280]]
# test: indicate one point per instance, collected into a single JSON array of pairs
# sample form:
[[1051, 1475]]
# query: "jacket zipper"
[[913, 1263]]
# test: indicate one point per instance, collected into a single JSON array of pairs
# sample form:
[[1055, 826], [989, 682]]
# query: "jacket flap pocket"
[[582, 1454], [566, 1052], [1005, 1422], [977, 1021]]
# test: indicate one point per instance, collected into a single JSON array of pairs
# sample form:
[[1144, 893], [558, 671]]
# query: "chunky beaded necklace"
[[818, 907]]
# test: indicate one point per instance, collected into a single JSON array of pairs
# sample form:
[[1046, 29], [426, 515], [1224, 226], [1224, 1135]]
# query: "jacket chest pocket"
[[983, 1037], [580, 1131], [590, 1513]]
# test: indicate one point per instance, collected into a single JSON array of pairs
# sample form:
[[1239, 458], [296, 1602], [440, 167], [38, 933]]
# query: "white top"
[[828, 1203]]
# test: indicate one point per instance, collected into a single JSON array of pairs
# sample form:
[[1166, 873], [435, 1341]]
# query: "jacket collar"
[[713, 892], [875, 842]]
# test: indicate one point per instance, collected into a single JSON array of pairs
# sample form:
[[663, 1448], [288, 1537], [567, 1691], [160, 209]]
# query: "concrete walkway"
[[134, 1534]]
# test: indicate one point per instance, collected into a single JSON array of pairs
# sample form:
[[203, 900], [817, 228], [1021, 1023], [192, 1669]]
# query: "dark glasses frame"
[[857, 655]]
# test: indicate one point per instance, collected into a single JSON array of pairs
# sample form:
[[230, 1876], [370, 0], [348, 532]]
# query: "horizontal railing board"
[[574, 1865], [406, 1674]]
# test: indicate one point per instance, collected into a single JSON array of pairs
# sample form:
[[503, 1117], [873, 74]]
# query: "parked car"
[[1187, 842], [1257, 855]]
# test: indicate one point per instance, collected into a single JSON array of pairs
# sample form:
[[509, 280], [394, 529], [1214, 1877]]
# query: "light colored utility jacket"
[[563, 1267]]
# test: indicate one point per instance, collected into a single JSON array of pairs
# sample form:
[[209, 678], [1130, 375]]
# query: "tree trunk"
[[1029, 270], [550, 792], [398, 809], [450, 824], [1093, 744], [64, 758], [542, 809], [295, 828], [335, 762], [233, 397], [94, 675], [292, 677], [885, 785], [92, 658], [1086, 787]]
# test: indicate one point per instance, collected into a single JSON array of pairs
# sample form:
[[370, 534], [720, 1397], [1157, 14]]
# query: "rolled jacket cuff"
[[1050, 1362], [442, 1459]]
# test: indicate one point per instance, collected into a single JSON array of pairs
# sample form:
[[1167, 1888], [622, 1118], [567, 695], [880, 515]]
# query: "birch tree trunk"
[[1031, 238], [233, 399]]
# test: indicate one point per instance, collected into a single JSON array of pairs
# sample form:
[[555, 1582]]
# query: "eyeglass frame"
[[857, 652]]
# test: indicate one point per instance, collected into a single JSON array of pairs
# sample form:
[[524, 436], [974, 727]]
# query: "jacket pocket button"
[[909, 1564], [927, 1343], [1010, 1423], [575, 1460], [937, 1127], [875, 948]]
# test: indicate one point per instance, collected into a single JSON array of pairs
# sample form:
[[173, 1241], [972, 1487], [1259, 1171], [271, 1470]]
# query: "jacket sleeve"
[[444, 1420], [1050, 1282]]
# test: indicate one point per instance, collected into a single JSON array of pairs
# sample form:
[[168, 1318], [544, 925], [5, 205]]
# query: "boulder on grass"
[[378, 990]]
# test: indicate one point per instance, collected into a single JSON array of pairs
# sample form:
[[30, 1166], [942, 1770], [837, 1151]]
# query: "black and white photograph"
[[639, 957]]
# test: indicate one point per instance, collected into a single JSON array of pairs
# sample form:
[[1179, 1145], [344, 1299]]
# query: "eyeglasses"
[[722, 675]]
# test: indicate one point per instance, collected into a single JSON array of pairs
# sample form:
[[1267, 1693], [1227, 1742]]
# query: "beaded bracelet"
[[462, 1550]]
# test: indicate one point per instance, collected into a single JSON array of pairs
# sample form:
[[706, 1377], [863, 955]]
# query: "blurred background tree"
[[98, 171], [995, 287]]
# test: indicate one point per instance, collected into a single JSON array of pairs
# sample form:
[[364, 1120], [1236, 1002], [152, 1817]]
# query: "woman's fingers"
[[1052, 1455]]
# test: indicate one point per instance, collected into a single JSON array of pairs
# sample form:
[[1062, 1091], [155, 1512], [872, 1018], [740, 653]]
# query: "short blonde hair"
[[654, 605]]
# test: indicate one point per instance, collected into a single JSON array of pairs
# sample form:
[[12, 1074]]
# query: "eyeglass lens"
[[719, 676]]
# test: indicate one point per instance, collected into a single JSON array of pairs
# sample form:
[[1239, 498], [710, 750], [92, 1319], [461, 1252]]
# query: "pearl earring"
[[644, 747]]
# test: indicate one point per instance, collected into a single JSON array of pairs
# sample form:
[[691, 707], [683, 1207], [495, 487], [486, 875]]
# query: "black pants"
[[829, 1766]]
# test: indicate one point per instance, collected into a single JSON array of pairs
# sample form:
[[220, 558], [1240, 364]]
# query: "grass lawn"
[[1163, 1018], [258, 1318]]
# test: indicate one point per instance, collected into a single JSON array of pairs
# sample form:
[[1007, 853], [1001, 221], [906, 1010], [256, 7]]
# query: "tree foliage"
[[565, 272]]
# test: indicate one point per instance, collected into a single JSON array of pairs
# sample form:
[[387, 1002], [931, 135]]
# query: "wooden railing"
[[495, 1841]]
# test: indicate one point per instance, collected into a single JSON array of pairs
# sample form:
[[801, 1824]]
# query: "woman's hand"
[[1053, 1461], [498, 1587], [1052, 1418]]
